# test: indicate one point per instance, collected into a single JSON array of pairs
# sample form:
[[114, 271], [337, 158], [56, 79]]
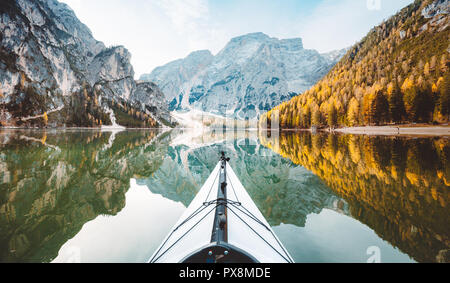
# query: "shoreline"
[[107, 129], [402, 130]]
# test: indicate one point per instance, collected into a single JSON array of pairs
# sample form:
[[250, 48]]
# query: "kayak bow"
[[222, 225]]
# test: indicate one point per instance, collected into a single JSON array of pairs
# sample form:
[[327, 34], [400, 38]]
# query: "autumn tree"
[[332, 116], [444, 98], [426, 69], [366, 104], [315, 117], [444, 64], [425, 101], [433, 64], [410, 97], [353, 112], [396, 104], [379, 108], [45, 117], [306, 118], [22, 81]]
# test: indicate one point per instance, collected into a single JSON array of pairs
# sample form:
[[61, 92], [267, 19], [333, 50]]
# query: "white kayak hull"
[[246, 231]]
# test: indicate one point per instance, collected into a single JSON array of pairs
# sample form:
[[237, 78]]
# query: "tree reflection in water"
[[397, 186], [52, 183]]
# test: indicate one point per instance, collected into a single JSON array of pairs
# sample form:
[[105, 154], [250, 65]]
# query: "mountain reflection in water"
[[52, 183], [60, 189]]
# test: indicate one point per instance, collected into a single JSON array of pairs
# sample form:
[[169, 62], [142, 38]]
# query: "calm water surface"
[[92, 196]]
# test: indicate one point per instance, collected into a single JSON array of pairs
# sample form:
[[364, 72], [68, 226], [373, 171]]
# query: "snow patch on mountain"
[[252, 74]]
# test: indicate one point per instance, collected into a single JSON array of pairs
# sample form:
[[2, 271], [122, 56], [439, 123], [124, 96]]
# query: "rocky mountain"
[[249, 76], [53, 71], [153, 98]]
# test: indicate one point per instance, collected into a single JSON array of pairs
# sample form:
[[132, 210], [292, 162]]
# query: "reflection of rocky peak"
[[274, 183], [52, 184]]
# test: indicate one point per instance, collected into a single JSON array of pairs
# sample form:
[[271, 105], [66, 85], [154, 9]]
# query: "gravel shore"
[[400, 130]]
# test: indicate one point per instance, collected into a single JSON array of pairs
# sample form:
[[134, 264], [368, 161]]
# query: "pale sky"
[[159, 31]]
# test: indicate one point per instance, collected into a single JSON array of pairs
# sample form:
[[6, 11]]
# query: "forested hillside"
[[399, 73]]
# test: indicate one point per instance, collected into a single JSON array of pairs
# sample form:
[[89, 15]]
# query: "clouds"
[[159, 31], [338, 24], [186, 15], [192, 22]]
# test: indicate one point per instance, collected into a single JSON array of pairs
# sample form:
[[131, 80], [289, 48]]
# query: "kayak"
[[222, 225]]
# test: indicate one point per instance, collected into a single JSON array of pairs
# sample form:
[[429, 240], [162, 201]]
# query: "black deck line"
[[220, 228]]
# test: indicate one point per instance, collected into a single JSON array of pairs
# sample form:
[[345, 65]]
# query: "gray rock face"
[[438, 7], [150, 95], [336, 55], [252, 74], [174, 77], [44, 46], [50, 46], [437, 15], [112, 71]]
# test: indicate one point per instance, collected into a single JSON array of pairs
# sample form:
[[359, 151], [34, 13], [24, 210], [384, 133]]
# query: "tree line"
[[399, 73]]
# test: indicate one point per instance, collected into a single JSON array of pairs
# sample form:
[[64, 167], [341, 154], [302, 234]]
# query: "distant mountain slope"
[[50, 61], [250, 75], [398, 73]]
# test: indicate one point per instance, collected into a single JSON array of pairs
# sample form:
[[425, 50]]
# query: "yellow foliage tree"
[[45, 117], [22, 81], [353, 112]]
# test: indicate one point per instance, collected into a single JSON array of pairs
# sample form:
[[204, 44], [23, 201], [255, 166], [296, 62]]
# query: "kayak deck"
[[222, 225]]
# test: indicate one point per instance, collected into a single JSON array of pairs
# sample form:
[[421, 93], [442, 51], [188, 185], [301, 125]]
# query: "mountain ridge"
[[249, 75]]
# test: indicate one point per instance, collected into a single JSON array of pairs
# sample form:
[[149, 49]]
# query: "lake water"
[[92, 196]]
